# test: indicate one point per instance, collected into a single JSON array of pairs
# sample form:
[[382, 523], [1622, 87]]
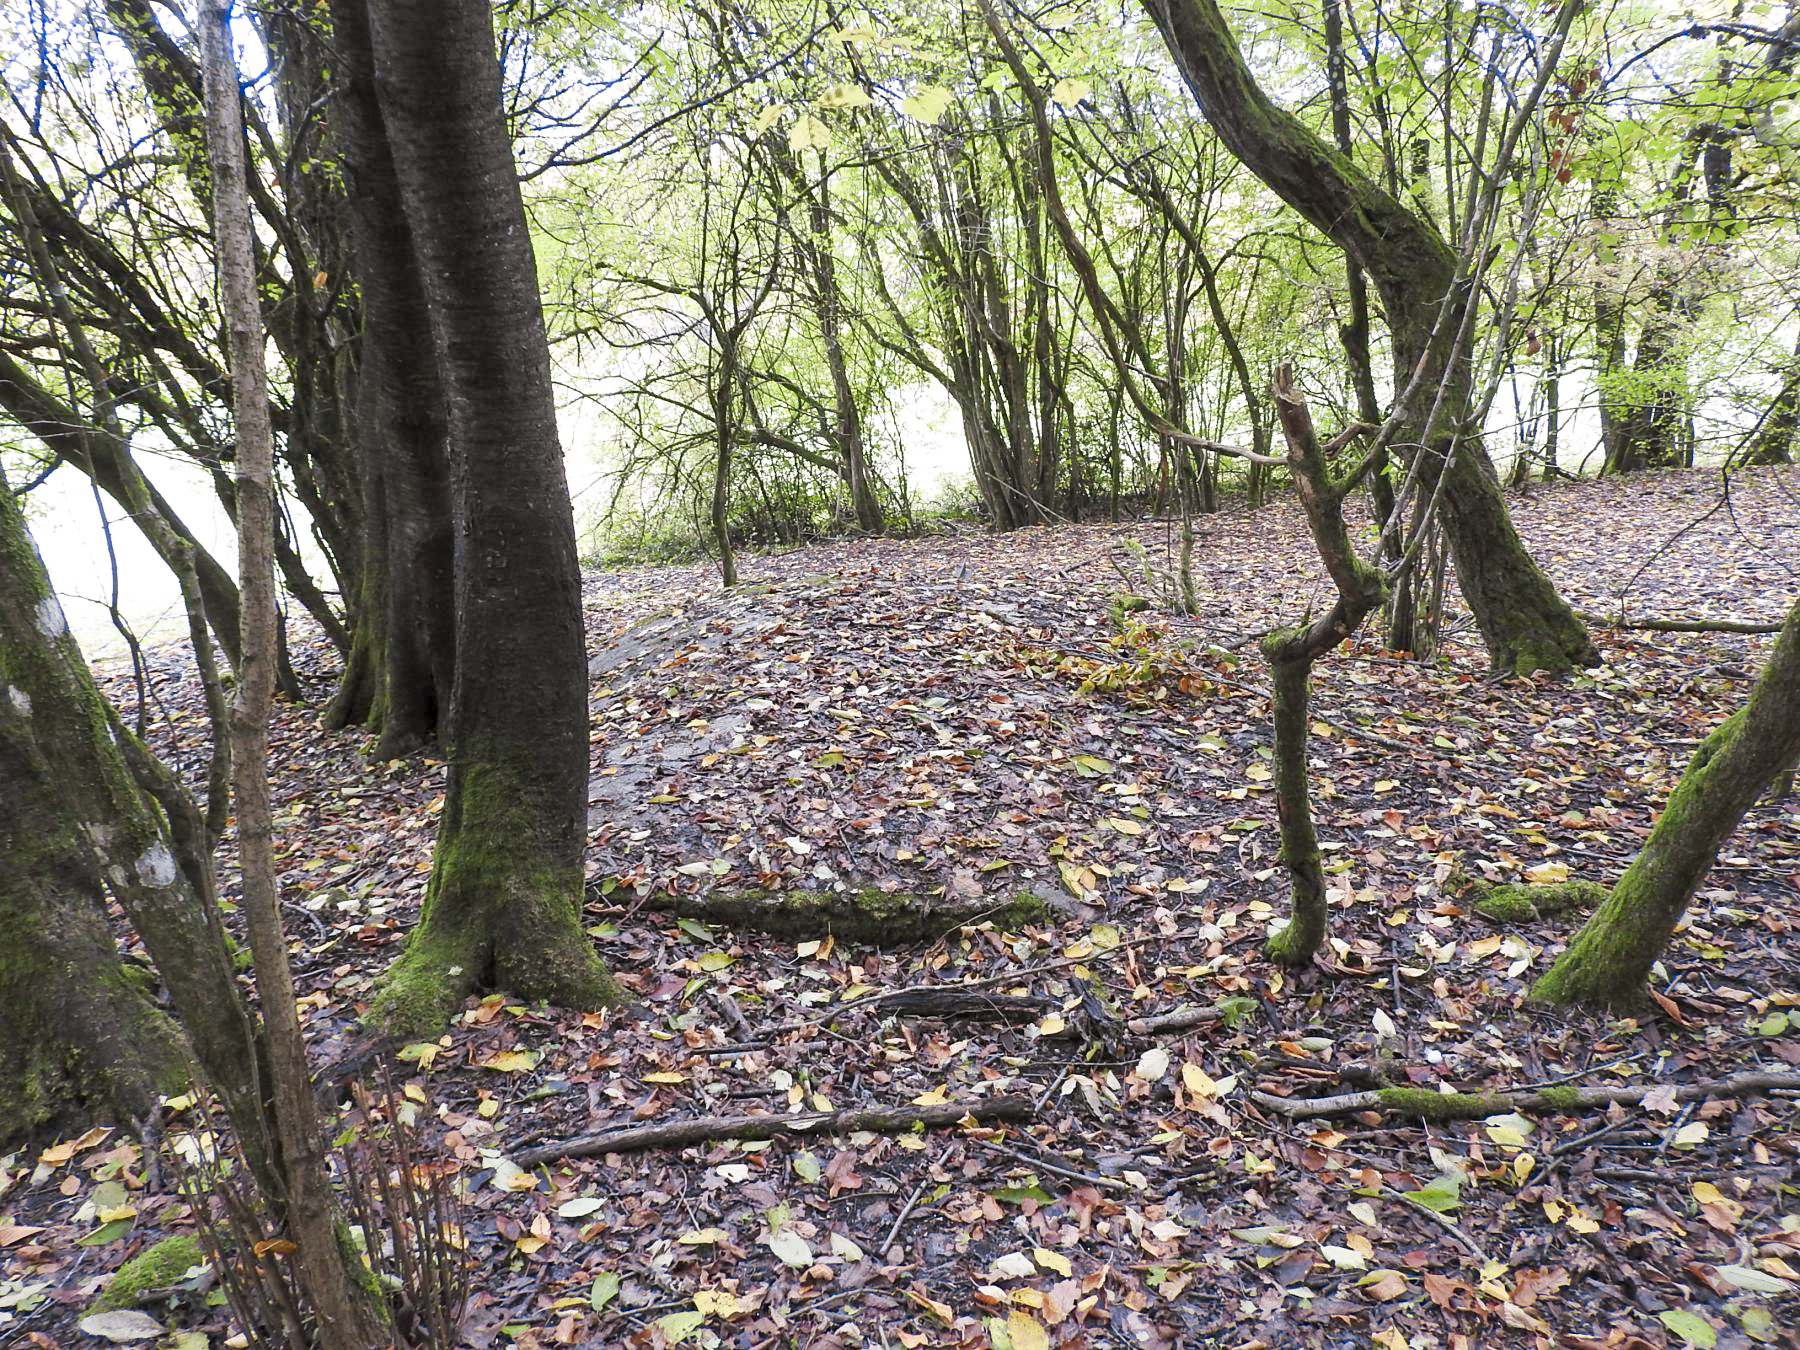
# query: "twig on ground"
[[711, 1129]]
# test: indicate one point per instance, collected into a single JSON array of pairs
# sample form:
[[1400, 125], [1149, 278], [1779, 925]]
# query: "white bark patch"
[[116, 875], [20, 700], [157, 866], [50, 620]]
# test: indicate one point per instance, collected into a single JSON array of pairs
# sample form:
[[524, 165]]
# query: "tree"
[[503, 908], [346, 1310], [76, 824], [399, 673], [1607, 963], [1524, 622]]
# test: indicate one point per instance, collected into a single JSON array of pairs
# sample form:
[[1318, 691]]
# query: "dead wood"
[[712, 1129], [1477, 1105]]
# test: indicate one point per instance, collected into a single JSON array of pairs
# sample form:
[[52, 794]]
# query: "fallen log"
[[1722, 625], [1430, 1105], [713, 1129]]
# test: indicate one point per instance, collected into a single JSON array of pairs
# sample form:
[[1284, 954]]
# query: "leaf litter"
[[972, 717]]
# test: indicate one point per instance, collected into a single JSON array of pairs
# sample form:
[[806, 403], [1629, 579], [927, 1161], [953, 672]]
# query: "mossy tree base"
[[528, 943], [867, 916]]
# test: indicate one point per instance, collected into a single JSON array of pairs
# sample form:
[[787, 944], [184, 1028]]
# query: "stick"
[[1685, 625], [1475, 1105], [900, 1219], [1179, 1020], [709, 1129]]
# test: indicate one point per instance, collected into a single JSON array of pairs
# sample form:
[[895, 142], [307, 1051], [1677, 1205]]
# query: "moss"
[[1564, 1099], [1441, 1106], [502, 911], [158, 1266], [1514, 903]]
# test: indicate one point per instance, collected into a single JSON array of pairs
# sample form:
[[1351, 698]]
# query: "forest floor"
[[964, 714]]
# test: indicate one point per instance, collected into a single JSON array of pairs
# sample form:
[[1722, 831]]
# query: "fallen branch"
[[1477, 1105], [1684, 625], [712, 1129], [1184, 1018]]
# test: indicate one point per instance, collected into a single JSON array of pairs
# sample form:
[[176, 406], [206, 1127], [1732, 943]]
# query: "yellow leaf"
[[1580, 1223], [703, 1237], [942, 1311], [1025, 1331], [767, 118], [665, 1078], [510, 1061], [1198, 1081], [111, 1213], [842, 96], [1053, 1025], [717, 1303], [1124, 826], [1547, 873], [1692, 1135], [530, 1244], [1708, 1194], [927, 103], [935, 1097], [808, 133], [1067, 93], [1050, 1260]]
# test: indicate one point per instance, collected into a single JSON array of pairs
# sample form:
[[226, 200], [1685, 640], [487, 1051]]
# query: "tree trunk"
[[1608, 962], [1291, 652], [1524, 622], [79, 1037], [347, 1315], [503, 909], [74, 824], [398, 679]]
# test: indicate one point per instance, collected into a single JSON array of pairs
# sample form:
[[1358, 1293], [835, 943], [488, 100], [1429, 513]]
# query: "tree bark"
[[1607, 964], [1525, 624], [503, 909], [398, 679], [74, 825], [347, 1314]]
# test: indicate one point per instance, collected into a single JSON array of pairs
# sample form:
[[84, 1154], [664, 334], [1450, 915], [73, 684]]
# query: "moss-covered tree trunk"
[[1291, 653], [503, 908], [1608, 962], [79, 1037], [398, 679], [74, 826], [1525, 624]]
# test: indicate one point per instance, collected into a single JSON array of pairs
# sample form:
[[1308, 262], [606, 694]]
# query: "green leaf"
[[678, 1326], [1443, 1194], [807, 1167], [1068, 93], [1018, 1195], [605, 1290], [107, 1232], [1234, 1010], [1690, 1326]]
